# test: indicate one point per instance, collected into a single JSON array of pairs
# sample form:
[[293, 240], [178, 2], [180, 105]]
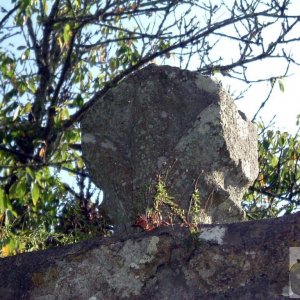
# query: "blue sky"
[[285, 106]]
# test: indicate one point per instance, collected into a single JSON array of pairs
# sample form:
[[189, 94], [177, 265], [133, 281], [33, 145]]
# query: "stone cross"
[[175, 123]]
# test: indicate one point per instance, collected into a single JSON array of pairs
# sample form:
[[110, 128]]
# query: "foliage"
[[57, 57], [164, 211], [276, 190]]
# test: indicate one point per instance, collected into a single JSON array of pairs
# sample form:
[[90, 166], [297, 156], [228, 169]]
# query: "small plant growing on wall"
[[164, 211]]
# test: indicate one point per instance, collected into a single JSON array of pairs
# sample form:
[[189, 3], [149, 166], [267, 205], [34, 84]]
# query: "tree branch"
[[9, 13]]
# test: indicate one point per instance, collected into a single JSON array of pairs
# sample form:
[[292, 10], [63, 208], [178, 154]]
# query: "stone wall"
[[246, 260]]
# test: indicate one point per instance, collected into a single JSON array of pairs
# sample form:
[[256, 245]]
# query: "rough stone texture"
[[176, 123], [247, 260]]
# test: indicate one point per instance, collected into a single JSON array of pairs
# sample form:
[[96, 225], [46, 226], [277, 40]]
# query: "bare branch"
[[9, 13]]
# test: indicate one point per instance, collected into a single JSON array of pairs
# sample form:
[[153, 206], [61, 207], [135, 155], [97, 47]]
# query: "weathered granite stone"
[[176, 123]]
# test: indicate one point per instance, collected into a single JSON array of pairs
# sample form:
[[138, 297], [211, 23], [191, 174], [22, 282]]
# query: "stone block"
[[180, 125]]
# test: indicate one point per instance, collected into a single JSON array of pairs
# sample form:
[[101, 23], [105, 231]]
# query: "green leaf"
[[113, 64], [8, 217], [216, 71], [282, 140], [45, 5], [266, 144], [270, 134], [274, 161], [80, 163], [24, 4], [3, 201], [12, 191], [79, 101], [30, 172], [67, 34], [281, 85], [26, 109], [31, 87], [64, 114], [35, 193], [21, 189]]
